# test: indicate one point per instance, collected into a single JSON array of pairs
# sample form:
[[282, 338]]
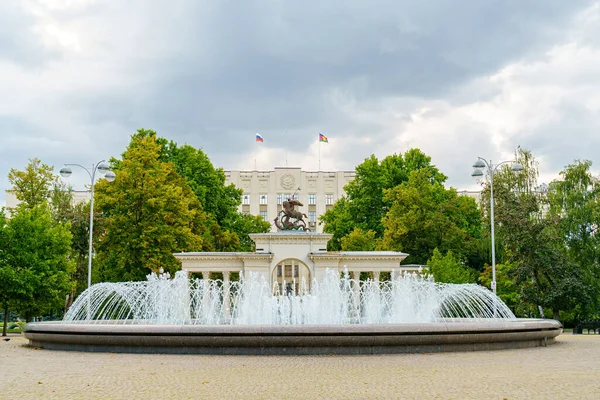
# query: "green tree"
[[32, 187], [359, 240], [449, 269], [506, 289], [424, 215], [543, 273], [532, 243], [77, 214], [365, 204], [339, 221], [34, 262], [244, 224], [574, 201], [219, 201], [150, 213]]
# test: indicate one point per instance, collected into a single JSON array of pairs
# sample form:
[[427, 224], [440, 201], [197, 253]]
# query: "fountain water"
[[408, 298], [409, 313]]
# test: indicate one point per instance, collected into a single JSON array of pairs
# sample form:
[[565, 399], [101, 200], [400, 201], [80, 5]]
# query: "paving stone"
[[568, 369]]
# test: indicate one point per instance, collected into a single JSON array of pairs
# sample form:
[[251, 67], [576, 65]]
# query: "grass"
[[11, 330]]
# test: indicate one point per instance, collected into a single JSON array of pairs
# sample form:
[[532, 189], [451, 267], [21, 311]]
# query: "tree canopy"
[[365, 203], [449, 269], [424, 215], [535, 238], [34, 265], [150, 213], [219, 201], [32, 186]]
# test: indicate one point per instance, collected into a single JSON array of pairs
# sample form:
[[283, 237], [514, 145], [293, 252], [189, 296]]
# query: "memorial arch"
[[290, 275]]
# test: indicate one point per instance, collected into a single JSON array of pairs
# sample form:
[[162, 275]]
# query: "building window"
[[295, 196], [279, 270], [246, 199], [329, 198], [312, 199], [279, 198], [263, 199], [264, 216], [288, 271], [312, 216]]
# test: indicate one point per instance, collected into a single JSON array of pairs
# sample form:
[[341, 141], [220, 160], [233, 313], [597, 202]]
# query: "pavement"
[[568, 369]]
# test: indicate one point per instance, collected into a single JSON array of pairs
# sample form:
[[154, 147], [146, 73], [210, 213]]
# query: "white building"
[[475, 194], [265, 191], [78, 197], [285, 259]]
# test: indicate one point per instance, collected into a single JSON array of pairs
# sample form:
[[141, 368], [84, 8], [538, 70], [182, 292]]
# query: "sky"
[[457, 79]]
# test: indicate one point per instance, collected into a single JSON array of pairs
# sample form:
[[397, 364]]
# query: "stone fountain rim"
[[454, 326], [293, 339]]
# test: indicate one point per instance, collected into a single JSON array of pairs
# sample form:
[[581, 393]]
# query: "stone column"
[[226, 305], [206, 297], [356, 278], [376, 276]]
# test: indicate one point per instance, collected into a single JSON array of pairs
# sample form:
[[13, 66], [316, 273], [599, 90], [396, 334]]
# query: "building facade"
[[79, 196], [265, 191], [290, 261]]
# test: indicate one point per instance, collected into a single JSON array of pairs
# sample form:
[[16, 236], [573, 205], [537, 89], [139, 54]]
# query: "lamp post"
[[479, 166], [110, 176]]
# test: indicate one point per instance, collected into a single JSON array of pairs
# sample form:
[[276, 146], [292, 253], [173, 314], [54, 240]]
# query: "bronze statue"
[[284, 218]]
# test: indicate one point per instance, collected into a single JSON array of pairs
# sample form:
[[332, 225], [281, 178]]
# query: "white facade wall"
[[78, 197], [287, 181]]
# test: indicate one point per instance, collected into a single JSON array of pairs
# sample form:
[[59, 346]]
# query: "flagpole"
[[286, 152], [319, 155]]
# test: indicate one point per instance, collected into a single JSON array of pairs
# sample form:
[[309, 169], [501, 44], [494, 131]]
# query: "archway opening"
[[291, 276]]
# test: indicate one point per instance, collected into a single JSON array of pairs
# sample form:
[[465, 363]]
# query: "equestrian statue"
[[290, 219]]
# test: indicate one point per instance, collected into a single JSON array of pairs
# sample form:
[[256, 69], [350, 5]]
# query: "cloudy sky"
[[458, 79]]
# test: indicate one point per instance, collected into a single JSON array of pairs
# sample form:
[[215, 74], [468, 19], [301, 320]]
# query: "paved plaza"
[[568, 369]]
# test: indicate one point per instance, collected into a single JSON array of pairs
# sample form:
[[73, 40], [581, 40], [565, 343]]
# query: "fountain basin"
[[455, 335]]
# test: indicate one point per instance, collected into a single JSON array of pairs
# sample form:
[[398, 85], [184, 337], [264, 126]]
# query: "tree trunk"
[[556, 314], [5, 320]]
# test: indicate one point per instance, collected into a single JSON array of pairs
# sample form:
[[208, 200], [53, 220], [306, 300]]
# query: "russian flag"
[[259, 138]]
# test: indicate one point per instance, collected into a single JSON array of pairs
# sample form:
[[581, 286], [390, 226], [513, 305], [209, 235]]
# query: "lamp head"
[[66, 172], [479, 165], [477, 173], [110, 176], [103, 167], [516, 167]]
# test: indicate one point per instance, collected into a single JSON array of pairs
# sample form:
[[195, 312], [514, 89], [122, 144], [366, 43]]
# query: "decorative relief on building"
[[246, 184], [312, 184], [263, 184], [288, 181]]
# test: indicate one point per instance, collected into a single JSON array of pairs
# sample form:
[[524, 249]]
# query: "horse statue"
[[285, 216]]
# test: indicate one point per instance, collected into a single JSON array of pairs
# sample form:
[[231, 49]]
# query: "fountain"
[[294, 297], [408, 313]]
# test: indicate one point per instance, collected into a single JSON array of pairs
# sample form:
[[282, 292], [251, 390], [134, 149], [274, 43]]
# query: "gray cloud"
[[211, 73]]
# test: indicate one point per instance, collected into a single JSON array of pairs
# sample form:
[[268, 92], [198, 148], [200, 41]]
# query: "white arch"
[[297, 270]]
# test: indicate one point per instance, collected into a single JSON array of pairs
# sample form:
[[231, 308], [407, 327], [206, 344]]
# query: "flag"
[[259, 138], [323, 138]]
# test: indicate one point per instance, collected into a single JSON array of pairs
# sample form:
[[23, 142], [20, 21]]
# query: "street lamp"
[[479, 166], [110, 176]]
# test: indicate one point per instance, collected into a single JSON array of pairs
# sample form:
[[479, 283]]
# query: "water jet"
[[293, 297]]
